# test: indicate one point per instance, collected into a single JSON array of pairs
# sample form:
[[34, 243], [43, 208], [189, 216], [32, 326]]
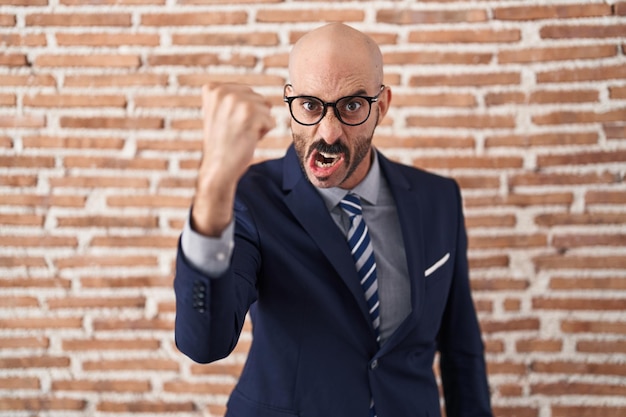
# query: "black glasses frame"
[[326, 105]]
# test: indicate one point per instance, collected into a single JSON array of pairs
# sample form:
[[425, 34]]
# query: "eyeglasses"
[[350, 110]]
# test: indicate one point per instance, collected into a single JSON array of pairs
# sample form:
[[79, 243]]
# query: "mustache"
[[321, 146]]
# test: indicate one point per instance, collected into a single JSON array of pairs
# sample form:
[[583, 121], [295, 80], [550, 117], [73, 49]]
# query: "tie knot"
[[351, 204]]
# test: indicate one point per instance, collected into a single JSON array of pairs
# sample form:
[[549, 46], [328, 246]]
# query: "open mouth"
[[326, 160]]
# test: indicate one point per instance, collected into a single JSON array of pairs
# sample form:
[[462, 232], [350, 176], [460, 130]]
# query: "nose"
[[330, 128]]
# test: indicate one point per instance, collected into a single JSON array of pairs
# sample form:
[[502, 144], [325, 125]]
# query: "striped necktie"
[[363, 255]]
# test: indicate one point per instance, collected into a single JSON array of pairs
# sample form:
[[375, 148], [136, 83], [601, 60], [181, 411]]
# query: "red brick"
[[538, 345], [140, 324], [583, 368], [579, 326], [504, 220], [112, 122], [473, 121], [34, 361], [42, 323], [105, 261], [22, 121], [7, 20], [18, 180], [556, 54], [110, 344], [38, 241], [586, 158], [69, 302], [146, 407], [540, 178], [256, 80], [140, 364], [194, 19], [115, 163], [176, 145], [510, 390], [99, 182], [129, 282], [217, 368], [310, 15], [495, 261], [616, 93], [421, 142], [13, 60], [614, 130], [78, 142], [437, 58], [495, 284], [605, 197], [229, 39], [74, 100], [91, 60], [144, 222], [151, 241], [107, 39], [18, 302], [123, 80], [513, 368], [468, 162], [111, 2], [467, 79], [546, 139], [579, 262], [587, 411], [580, 219], [43, 404], [406, 16], [27, 342], [198, 59], [18, 383], [107, 385], [43, 80], [30, 282], [552, 12], [572, 304], [508, 241], [582, 31], [79, 19], [43, 200], [513, 325], [574, 284], [160, 201], [512, 304], [185, 387], [593, 346], [521, 200], [593, 73], [30, 40], [592, 240], [168, 101], [478, 182], [27, 161], [570, 117], [577, 388], [465, 36]]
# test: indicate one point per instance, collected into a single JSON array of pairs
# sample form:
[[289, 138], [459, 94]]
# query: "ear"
[[384, 101]]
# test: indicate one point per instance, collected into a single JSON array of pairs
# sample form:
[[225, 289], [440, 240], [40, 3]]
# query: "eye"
[[311, 106], [353, 105]]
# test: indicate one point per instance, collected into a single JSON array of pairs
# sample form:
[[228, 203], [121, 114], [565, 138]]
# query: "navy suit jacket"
[[314, 352]]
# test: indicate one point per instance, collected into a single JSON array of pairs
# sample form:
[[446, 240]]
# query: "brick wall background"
[[523, 102]]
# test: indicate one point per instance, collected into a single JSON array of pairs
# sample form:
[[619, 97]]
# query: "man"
[[333, 335]]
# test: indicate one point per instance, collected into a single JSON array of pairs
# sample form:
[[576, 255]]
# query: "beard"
[[353, 159]]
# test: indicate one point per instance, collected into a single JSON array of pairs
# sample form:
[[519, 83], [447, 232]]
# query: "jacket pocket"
[[429, 271]]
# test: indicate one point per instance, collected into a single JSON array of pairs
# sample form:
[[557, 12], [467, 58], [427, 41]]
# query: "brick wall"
[[524, 103]]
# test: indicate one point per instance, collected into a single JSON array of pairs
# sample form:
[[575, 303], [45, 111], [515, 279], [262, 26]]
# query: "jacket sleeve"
[[211, 310], [462, 363]]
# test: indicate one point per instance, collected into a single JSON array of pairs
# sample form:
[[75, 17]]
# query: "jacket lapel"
[[309, 209]]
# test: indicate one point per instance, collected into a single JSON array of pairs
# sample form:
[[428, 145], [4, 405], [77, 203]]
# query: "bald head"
[[335, 55]]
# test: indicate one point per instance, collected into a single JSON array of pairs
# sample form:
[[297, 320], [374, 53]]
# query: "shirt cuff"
[[210, 255]]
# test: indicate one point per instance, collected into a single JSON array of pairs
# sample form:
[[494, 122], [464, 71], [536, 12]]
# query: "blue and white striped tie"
[[363, 255]]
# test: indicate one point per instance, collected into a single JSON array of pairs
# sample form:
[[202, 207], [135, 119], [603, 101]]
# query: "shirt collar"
[[367, 189]]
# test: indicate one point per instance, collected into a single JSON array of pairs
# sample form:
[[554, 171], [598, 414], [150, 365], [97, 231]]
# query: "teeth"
[[326, 160]]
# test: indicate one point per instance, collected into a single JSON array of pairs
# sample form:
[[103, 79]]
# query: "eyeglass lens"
[[350, 110]]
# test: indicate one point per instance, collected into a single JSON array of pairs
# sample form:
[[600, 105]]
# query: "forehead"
[[331, 88]]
